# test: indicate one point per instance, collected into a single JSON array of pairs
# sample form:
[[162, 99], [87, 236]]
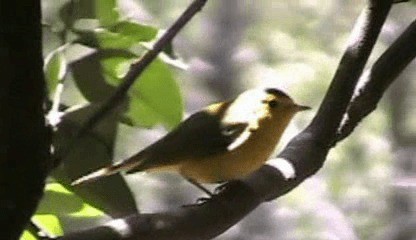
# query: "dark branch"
[[384, 71], [306, 153], [24, 138], [362, 40], [198, 222], [137, 68]]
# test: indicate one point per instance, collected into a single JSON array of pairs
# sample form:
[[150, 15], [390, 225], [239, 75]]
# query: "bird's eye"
[[273, 103]]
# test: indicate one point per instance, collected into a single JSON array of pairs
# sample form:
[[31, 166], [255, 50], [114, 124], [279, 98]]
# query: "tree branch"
[[362, 40], [24, 138], [384, 71], [304, 155]]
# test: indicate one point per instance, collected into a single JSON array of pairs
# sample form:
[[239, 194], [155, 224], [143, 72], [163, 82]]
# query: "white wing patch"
[[238, 141], [247, 108]]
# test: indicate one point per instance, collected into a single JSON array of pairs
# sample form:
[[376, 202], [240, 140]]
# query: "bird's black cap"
[[277, 93]]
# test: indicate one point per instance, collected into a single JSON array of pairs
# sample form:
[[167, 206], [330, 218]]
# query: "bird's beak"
[[302, 108]]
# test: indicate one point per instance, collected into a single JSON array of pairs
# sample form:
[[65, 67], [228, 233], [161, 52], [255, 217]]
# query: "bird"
[[224, 141]]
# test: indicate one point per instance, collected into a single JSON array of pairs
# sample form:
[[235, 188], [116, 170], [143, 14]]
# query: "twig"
[[382, 74], [138, 67]]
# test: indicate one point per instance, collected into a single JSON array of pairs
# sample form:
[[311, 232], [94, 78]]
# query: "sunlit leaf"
[[156, 98], [116, 67], [90, 77], [59, 204], [94, 150], [87, 211], [122, 35], [106, 12], [50, 223], [107, 39], [135, 31], [142, 114], [55, 69], [58, 200], [27, 236]]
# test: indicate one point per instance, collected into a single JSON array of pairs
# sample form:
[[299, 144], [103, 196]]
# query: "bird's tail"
[[110, 170]]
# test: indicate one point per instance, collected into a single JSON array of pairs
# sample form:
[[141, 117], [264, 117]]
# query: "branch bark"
[[384, 71], [24, 138], [362, 40], [305, 154]]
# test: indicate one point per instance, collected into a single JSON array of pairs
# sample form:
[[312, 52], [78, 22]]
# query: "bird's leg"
[[221, 187], [198, 185], [201, 200], [212, 196], [225, 185]]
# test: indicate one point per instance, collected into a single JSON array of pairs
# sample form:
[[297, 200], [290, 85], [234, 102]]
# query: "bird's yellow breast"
[[238, 162]]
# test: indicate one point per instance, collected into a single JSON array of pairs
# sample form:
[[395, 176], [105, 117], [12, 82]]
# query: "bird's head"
[[257, 104], [279, 102]]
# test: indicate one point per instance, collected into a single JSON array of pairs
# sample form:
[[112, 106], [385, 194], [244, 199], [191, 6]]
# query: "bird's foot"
[[223, 186], [199, 202], [212, 197]]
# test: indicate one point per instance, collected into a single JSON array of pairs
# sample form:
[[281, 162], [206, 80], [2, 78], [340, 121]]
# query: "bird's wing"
[[200, 136]]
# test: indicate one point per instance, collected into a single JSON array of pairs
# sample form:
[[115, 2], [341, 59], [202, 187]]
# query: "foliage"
[[95, 44]]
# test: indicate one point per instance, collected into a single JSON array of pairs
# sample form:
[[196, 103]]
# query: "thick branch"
[[197, 222], [362, 39], [382, 74], [305, 153], [24, 141]]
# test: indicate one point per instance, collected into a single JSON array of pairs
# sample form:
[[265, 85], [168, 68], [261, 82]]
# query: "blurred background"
[[367, 187]]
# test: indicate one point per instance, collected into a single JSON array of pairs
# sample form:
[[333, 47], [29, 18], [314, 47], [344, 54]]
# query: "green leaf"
[[58, 200], [94, 150], [142, 114], [122, 35], [107, 12], [135, 31], [156, 98], [107, 39], [27, 236], [91, 79], [49, 223], [116, 68], [57, 206], [55, 69]]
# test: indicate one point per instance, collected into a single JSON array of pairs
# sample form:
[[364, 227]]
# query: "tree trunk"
[[24, 138]]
